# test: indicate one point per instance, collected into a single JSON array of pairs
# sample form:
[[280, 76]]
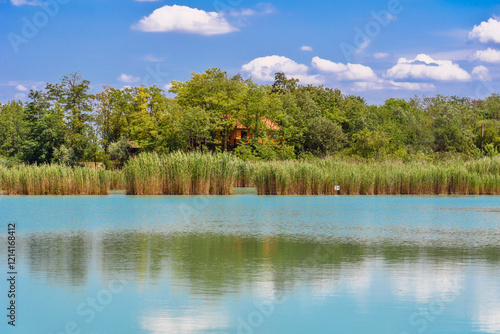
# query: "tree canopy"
[[67, 122]]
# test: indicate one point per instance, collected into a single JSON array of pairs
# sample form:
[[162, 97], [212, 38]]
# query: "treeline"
[[68, 123]]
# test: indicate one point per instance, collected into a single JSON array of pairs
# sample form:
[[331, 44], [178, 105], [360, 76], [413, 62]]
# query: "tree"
[[283, 85], [120, 150], [46, 130], [12, 128], [196, 127], [451, 131], [221, 96], [73, 98], [370, 144], [105, 113], [323, 136]]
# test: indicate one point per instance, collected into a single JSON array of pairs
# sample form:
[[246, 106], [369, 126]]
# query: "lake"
[[254, 264]]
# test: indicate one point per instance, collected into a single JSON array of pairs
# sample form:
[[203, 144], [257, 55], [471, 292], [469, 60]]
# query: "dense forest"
[[69, 123]]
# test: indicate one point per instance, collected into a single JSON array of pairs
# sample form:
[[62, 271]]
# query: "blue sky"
[[375, 49]]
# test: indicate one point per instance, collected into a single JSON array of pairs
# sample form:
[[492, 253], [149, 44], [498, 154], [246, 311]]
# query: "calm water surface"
[[249, 264]]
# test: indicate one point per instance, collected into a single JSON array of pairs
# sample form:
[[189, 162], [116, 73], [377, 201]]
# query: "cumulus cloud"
[[488, 56], [306, 48], [349, 72], [486, 32], [380, 55], [453, 55], [481, 73], [264, 69], [152, 59], [260, 9], [22, 86], [186, 20], [382, 84], [425, 67], [128, 78], [26, 2]]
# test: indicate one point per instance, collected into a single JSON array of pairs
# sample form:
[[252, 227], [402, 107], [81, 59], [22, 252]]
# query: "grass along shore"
[[217, 174], [54, 180], [380, 178], [181, 174]]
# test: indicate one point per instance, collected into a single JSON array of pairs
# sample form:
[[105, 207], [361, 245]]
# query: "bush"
[[323, 136], [65, 156], [120, 150]]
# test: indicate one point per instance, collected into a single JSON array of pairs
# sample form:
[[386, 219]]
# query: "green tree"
[[72, 96], [12, 128], [221, 96], [323, 136], [46, 130]]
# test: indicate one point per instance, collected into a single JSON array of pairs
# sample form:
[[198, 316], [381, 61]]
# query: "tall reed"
[[380, 178], [201, 174], [116, 179], [181, 174], [245, 172], [53, 180]]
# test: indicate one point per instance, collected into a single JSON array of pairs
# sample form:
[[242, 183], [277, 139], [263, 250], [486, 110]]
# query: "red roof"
[[270, 125]]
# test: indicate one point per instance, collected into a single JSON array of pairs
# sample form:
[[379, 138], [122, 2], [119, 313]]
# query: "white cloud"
[[153, 59], [23, 85], [380, 55], [261, 9], [243, 12], [425, 67], [128, 78], [306, 48], [487, 31], [350, 72], [481, 73], [363, 46], [488, 56], [453, 55], [264, 69], [25, 2], [186, 20], [392, 85]]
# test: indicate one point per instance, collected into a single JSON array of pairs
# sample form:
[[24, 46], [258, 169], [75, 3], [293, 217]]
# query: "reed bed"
[[181, 174], [380, 178], [116, 179], [245, 171], [216, 174], [53, 180]]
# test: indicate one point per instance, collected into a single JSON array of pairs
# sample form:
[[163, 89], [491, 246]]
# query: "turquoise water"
[[252, 264]]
